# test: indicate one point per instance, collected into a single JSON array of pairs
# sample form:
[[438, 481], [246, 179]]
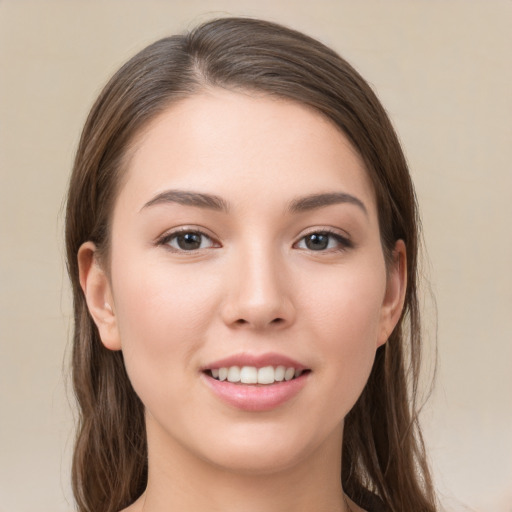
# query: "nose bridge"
[[258, 294]]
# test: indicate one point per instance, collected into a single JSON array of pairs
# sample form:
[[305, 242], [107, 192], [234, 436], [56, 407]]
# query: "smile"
[[252, 375], [256, 386]]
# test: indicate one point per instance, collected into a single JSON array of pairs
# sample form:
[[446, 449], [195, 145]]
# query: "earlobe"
[[395, 292], [98, 295]]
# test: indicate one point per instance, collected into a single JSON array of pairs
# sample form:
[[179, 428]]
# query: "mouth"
[[256, 382], [263, 376]]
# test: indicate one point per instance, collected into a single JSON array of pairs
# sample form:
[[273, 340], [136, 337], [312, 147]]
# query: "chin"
[[269, 450], [257, 461]]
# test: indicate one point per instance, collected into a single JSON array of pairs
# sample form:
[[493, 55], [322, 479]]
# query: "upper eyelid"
[[166, 235], [329, 230]]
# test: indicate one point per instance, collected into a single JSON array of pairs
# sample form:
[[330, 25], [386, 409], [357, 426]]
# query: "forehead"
[[243, 145]]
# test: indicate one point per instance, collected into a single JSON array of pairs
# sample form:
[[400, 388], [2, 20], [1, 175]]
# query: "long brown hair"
[[383, 450]]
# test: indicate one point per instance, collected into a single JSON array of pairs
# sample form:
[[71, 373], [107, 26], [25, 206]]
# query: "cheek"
[[163, 315], [346, 302], [161, 300], [345, 313]]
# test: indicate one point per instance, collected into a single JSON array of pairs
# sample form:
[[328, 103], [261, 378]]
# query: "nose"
[[259, 294]]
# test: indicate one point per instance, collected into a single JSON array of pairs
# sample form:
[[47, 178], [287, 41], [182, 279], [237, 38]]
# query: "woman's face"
[[245, 235]]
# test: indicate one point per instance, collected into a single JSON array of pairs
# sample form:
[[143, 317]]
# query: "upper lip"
[[257, 360]]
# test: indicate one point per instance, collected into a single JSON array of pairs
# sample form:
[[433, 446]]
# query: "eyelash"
[[168, 237], [343, 242]]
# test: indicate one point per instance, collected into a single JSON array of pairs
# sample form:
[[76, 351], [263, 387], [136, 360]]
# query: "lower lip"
[[254, 398]]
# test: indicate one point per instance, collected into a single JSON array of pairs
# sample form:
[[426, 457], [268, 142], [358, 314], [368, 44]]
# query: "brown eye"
[[188, 241], [317, 241], [322, 241]]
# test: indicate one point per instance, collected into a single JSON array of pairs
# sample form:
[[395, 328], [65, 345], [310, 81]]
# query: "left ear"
[[395, 292]]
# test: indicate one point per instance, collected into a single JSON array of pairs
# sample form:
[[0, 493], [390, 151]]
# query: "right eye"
[[188, 240]]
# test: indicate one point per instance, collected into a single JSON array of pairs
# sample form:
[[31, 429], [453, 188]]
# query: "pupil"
[[189, 241], [317, 241]]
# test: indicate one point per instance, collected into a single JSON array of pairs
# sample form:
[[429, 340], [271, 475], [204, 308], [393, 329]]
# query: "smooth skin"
[[249, 272]]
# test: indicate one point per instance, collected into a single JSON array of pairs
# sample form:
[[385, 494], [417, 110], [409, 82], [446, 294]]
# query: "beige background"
[[443, 70]]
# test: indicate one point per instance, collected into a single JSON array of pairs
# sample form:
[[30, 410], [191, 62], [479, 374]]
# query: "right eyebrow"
[[189, 198]]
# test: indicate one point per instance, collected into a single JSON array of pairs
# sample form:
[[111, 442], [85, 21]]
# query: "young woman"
[[242, 240]]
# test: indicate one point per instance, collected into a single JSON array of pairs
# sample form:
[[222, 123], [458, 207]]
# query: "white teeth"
[[249, 375], [266, 375], [279, 373], [289, 373], [234, 374], [253, 375]]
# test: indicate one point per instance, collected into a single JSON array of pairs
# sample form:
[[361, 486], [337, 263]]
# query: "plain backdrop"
[[442, 69]]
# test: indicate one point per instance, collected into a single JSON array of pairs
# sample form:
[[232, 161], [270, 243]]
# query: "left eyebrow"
[[314, 201]]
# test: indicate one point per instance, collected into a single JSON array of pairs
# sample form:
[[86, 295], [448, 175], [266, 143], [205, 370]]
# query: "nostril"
[[275, 321]]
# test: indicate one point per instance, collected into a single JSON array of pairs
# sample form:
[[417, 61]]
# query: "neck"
[[178, 480]]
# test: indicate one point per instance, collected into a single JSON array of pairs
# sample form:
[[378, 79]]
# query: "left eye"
[[188, 241], [322, 240]]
